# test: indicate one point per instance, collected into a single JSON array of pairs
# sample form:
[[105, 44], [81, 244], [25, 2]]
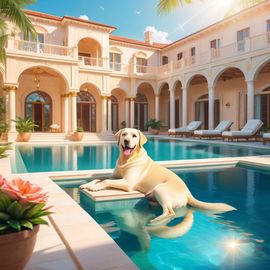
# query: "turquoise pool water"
[[210, 243], [44, 158]]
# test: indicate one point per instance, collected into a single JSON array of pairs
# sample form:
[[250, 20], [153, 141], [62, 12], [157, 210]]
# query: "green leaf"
[[15, 224], [16, 210], [4, 216], [5, 201], [42, 214], [27, 224], [3, 227], [34, 210], [38, 220]]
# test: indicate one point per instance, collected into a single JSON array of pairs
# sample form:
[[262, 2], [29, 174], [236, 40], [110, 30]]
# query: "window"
[[165, 60], [241, 37], [141, 65], [180, 56], [214, 46], [268, 26], [192, 54], [115, 61]]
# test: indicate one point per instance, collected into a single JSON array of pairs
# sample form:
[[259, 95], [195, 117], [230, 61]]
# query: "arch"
[[38, 107], [40, 29], [162, 85], [140, 54], [217, 75], [120, 90], [202, 97], [140, 83], [196, 76], [85, 96], [88, 86], [257, 69], [48, 70], [176, 83], [141, 98], [115, 50]]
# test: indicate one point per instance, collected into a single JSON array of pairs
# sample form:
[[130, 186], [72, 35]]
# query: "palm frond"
[[166, 6], [3, 41]]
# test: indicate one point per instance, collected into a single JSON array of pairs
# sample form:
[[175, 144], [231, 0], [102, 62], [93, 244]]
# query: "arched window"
[[115, 113], [38, 107], [86, 111], [141, 112]]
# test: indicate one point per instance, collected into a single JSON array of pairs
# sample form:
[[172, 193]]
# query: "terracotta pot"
[[154, 131], [16, 248], [77, 136], [4, 136], [23, 137]]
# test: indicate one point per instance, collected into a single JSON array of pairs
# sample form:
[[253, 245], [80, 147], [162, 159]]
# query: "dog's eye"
[[134, 136], [124, 134]]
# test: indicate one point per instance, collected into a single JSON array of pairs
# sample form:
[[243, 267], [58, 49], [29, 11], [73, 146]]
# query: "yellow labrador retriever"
[[135, 170]]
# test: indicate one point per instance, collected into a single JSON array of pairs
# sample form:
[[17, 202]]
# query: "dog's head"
[[130, 140]]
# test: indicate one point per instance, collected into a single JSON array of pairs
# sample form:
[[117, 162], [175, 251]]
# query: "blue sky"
[[132, 17]]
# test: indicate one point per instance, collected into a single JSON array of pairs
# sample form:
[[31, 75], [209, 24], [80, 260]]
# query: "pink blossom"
[[2, 181], [24, 191]]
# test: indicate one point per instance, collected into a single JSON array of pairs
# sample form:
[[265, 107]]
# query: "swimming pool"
[[234, 240], [69, 157]]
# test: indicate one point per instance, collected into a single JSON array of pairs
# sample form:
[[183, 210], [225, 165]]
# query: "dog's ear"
[[143, 139], [117, 136]]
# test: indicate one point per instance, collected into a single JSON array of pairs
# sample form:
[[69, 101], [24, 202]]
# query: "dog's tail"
[[219, 207]]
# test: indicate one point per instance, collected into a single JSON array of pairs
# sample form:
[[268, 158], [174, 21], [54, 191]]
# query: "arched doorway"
[[38, 107], [201, 111], [262, 106], [86, 111], [141, 112], [115, 113]]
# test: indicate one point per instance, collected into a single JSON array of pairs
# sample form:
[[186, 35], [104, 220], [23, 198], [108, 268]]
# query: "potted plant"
[[78, 134], [3, 131], [22, 208], [123, 124], [154, 125], [24, 128], [3, 149]]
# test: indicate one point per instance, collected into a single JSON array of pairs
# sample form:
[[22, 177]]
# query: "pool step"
[[62, 137]]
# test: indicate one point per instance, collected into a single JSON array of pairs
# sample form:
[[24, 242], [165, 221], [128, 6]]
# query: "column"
[[109, 115], [211, 107], [250, 99], [11, 89], [73, 110], [132, 112], [157, 107], [184, 107], [127, 112], [172, 109], [65, 112], [104, 113]]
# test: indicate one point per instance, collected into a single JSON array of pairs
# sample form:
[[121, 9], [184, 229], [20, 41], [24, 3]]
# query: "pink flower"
[[24, 191], [2, 181]]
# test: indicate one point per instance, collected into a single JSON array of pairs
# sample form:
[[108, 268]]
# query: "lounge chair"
[[186, 131], [266, 138], [249, 131], [214, 133]]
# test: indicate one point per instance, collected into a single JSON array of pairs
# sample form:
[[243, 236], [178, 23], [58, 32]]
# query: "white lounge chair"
[[186, 131], [214, 133], [249, 131], [266, 138]]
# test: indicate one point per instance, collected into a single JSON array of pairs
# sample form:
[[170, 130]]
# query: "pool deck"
[[73, 240]]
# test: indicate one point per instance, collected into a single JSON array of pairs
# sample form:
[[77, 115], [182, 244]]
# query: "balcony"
[[40, 48], [91, 62]]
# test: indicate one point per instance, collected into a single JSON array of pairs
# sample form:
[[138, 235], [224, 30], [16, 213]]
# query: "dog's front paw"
[[90, 185], [98, 186]]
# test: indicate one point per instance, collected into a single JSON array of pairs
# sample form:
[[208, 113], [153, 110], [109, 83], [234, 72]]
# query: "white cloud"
[[102, 8], [138, 12], [158, 36], [84, 17]]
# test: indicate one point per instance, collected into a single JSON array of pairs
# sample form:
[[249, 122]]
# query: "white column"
[[104, 113], [73, 111], [65, 112], [109, 115], [157, 107], [211, 107], [127, 112], [172, 109], [132, 112], [12, 107], [250, 100], [184, 107]]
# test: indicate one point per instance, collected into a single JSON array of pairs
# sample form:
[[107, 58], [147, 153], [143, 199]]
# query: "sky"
[[133, 18]]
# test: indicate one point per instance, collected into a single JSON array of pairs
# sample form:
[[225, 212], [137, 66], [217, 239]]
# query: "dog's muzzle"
[[127, 150]]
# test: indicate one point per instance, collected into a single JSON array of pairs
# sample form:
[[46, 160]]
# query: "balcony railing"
[[43, 48], [92, 62]]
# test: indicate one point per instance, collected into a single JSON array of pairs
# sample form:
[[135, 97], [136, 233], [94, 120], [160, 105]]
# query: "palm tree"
[[166, 6], [12, 10]]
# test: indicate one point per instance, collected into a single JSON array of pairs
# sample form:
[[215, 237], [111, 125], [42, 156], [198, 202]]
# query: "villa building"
[[78, 73]]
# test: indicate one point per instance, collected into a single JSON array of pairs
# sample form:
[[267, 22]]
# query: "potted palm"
[[154, 126], [78, 134], [3, 131], [22, 208], [24, 128]]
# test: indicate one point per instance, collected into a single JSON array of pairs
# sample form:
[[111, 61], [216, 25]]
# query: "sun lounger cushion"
[[266, 135], [223, 125], [207, 132], [193, 125]]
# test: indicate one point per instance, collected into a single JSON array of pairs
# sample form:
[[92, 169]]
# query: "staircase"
[[62, 137]]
